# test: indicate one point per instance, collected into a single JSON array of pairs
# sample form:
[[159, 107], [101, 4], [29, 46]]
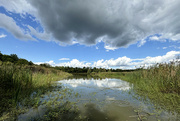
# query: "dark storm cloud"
[[120, 23]]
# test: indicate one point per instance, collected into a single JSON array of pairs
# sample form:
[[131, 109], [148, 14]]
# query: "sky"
[[124, 34]]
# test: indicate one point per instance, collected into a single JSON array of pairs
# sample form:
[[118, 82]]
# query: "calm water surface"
[[107, 99]]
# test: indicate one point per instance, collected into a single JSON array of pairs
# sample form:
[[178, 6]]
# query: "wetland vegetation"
[[31, 92], [19, 79], [159, 83]]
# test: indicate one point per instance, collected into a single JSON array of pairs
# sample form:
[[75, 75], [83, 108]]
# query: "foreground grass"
[[17, 83], [160, 84]]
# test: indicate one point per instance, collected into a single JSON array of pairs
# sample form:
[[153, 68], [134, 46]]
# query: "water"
[[102, 100]]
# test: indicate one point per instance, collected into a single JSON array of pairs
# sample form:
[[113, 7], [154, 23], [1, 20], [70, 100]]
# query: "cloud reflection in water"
[[97, 83]]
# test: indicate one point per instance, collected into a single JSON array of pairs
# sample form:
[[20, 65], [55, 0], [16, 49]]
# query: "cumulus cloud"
[[3, 36], [10, 25], [128, 63], [75, 63], [121, 62], [149, 61], [120, 23]]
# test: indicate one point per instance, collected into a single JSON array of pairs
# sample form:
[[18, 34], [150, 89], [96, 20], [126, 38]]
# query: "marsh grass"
[[18, 83], [159, 83]]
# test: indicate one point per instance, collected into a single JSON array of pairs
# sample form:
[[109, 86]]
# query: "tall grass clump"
[[18, 82], [13, 81], [160, 83], [164, 78]]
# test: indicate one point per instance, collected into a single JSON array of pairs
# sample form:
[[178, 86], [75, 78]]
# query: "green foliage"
[[31, 63], [1, 55], [13, 81], [22, 62], [7, 58], [88, 69], [45, 65], [18, 82], [13, 58]]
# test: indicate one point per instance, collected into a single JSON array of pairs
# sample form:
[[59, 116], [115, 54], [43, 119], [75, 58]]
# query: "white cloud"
[[108, 47], [40, 35], [18, 6], [164, 48], [154, 38], [51, 62], [3, 36], [142, 42], [148, 61], [157, 38], [121, 62], [62, 59], [100, 63], [75, 63], [10, 25]]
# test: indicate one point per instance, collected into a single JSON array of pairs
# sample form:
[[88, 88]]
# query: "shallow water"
[[104, 99]]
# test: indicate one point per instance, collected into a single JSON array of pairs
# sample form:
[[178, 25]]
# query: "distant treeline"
[[13, 58], [88, 69]]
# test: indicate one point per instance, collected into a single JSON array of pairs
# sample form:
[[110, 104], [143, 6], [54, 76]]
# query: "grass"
[[159, 83], [17, 83]]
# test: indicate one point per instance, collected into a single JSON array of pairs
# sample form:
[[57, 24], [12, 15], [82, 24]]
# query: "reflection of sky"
[[97, 83]]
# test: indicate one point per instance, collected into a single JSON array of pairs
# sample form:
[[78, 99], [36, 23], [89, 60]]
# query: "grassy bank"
[[160, 83], [18, 82]]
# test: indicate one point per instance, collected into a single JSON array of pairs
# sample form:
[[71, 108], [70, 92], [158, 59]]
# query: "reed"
[[19, 82], [163, 78], [159, 83]]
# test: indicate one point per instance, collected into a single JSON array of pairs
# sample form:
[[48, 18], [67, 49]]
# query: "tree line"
[[13, 58], [88, 69]]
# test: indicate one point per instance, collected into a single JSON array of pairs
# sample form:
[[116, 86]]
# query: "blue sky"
[[36, 31]]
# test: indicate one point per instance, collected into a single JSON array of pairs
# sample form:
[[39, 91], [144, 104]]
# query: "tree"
[[31, 63], [14, 57], [45, 65], [22, 62], [6, 58], [1, 55]]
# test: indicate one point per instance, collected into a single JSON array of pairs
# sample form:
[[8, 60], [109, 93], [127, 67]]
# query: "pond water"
[[102, 100]]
